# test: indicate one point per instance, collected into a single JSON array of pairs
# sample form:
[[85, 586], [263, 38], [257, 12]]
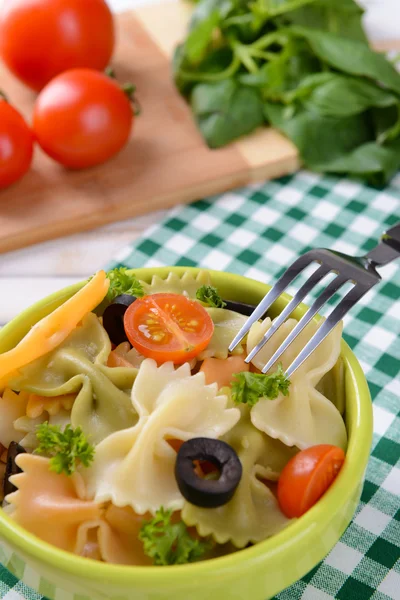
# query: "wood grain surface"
[[165, 163]]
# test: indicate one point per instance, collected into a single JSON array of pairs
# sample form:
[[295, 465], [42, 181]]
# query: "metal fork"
[[359, 270]]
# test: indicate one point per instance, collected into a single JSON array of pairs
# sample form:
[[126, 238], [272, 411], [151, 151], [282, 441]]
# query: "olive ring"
[[207, 493]]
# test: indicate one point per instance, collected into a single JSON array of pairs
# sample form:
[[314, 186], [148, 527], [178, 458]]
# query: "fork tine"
[[349, 300], [291, 273], [297, 298], [329, 291]]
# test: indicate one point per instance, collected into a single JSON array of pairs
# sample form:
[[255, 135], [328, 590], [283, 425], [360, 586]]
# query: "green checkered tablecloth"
[[258, 231]]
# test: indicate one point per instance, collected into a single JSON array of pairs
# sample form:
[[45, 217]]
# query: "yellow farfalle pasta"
[[305, 417], [253, 513], [135, 466], [187, 284]]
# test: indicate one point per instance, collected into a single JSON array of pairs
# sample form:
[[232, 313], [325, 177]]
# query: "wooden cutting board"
[[165, 163]]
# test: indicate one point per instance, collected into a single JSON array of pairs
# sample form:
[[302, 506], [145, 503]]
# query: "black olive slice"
[[113, 318], [11, 467], [240, 307], [207, 493]]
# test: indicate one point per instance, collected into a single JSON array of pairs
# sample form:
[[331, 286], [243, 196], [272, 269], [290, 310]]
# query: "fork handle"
[[388, 249]]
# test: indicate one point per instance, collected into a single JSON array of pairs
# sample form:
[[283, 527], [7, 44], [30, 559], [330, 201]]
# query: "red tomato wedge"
[[307, 476], [168, 327]]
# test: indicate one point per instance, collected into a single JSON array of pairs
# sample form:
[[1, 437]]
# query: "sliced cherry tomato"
[[16, 145], [82, 118], [41, 38], [168, 327], [307, 476]]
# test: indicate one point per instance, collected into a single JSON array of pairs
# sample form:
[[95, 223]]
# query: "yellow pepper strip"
[[51, 331]]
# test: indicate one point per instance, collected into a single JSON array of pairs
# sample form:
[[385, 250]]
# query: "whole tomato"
[[16, 145], [41, 38], [82, 118]]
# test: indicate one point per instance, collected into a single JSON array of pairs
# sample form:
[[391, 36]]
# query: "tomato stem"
[[129, 90]]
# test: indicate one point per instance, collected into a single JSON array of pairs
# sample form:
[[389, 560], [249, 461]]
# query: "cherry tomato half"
[[82, 118], [307, 476], [16, 145], [41, 38], [168, 327]]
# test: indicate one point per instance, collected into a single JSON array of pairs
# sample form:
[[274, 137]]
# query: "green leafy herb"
[[169, 543], [226, 110], [249, 388], [123, 283], [210, 295], [301, 66], [67, 448]]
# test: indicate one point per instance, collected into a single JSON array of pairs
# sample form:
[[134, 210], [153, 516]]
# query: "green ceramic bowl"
[[258, 572]]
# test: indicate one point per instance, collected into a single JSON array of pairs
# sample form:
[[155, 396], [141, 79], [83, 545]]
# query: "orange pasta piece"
[[38, 404], [50, 505], [221, 371]]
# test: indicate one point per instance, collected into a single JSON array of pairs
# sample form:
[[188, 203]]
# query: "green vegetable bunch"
[[303, 66]]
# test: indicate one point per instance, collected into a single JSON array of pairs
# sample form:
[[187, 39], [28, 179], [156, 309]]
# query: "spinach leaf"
[[343, 17], [285, 72], [226, 110], [377, 164], [350, 56], [345, 96], [200, 36], [320, 139]]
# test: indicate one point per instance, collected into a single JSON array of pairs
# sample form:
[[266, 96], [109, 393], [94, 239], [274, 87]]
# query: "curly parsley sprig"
[[209, 295], [123, 283], [170, 543], [249, 388], [67, 448]]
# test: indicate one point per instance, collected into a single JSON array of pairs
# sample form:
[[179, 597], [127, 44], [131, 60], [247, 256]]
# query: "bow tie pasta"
[[227, 324], [56, 509], [135, 466], [173, 284], [253, 513], [77, 366], [305, 417]]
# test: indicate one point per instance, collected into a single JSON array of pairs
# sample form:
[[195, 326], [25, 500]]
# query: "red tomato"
[[168, 327], [41, 38], [82, 118], [306, 477], [16, 145]]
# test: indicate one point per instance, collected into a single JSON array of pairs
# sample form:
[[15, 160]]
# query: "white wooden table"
[[29, 274]]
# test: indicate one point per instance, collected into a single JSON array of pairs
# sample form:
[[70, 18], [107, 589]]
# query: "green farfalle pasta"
[[103, 404]]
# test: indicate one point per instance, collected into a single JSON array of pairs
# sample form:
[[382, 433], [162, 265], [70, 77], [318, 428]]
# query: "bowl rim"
[[339, 494]]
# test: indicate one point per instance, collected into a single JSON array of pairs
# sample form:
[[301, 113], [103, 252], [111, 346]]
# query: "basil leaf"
[[343, 17], [350, 56], [320, 139], [226, 110], [377, 164], [346, 96]]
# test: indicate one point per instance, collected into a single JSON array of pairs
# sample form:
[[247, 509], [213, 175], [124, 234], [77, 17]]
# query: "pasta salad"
[[131, 435]]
